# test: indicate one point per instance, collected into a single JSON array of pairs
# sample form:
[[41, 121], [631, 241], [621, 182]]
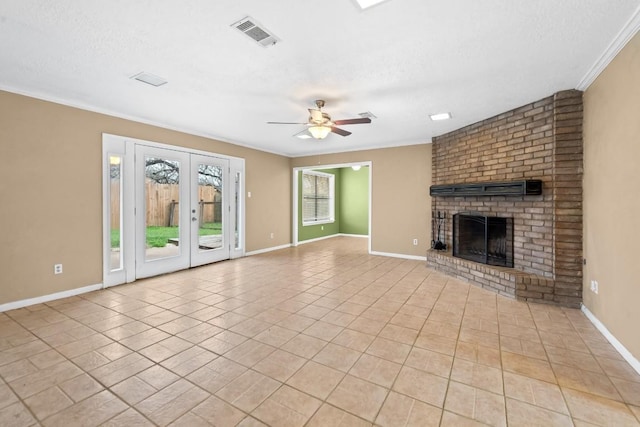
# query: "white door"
[[182, 210], [210, 224], [168, 208], [162, 211]]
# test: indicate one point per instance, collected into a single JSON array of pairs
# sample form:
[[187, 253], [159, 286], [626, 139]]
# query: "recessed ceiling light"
[[149, 79], [440, 116], [365, 4]]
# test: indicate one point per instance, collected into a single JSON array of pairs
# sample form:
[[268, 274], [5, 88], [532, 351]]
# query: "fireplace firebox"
[[483, 239]]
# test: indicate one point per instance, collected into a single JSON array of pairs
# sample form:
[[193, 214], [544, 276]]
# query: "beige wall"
[[400, 202], [612, 196], [51, 193]]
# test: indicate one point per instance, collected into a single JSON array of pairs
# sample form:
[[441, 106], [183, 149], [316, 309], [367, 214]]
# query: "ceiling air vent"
[[256, 31], [149, 79]]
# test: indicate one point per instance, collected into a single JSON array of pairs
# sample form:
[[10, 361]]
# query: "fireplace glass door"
[[483, 239]]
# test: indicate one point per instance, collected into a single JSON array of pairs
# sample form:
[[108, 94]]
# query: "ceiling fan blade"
[[286, 123], [341, 132], [352, 121]]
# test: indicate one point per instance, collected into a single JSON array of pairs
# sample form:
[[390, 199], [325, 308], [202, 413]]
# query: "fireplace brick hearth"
[[538, 141]]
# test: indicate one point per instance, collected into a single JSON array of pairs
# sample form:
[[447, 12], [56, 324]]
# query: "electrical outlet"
[[415, 242], [57, 269], [249, 194], [271, 236], [594, 286]]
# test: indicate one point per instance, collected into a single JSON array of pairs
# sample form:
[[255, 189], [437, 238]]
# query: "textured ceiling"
[[400, 60]]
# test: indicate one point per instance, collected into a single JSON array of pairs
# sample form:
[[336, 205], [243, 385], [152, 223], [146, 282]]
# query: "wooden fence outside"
[[115, 204], [162, 199]]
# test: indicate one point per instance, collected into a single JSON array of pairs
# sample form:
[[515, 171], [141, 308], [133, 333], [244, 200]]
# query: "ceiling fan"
[[320, 123]]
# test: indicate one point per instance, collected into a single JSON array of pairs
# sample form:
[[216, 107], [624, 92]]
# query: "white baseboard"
[[317, 239], [265, 250], [635, 363], [403, 256], [302, 242], [46, 298]]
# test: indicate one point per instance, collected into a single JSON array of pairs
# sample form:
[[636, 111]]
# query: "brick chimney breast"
[[541, 141]]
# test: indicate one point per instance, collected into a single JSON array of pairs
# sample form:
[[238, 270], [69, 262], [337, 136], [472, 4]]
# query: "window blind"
[[316, 198]]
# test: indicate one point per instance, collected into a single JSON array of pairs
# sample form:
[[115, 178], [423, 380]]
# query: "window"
[[317, 198]]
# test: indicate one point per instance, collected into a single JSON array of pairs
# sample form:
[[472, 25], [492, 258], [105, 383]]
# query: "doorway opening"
[[331, 200]]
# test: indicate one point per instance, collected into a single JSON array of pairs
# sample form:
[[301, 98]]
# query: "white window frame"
[[332, 198]]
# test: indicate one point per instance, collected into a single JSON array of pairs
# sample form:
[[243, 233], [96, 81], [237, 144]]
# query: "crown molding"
[[625, 34], [112, 113]]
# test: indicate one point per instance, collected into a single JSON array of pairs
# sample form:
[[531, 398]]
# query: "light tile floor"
[[319, 335]]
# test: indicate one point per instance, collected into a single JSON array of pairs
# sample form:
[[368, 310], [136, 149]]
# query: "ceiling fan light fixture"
[[320, 124], [319, 132]]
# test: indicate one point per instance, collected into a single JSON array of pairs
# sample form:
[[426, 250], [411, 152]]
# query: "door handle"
[[194, 219]]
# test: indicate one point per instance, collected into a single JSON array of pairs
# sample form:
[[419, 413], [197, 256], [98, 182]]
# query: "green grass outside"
[[157, 237]]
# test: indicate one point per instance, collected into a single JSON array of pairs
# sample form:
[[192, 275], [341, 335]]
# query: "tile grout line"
[[281, 284]]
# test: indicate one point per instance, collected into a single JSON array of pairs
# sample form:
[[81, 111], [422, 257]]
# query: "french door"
[[168, 209], [181, 210], [210, 207]]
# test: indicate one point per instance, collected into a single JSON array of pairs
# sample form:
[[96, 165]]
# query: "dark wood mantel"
[[530, 187]]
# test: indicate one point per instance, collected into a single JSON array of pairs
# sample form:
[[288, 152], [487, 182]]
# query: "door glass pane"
[[162, 192], [236, 228], [115, 211], [210, 206]]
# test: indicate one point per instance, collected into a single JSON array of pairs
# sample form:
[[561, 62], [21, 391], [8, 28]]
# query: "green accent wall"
[[354, 201], [308, 232], [351, 204]]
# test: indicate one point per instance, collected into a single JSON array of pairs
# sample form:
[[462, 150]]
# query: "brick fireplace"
[[539, 141]]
